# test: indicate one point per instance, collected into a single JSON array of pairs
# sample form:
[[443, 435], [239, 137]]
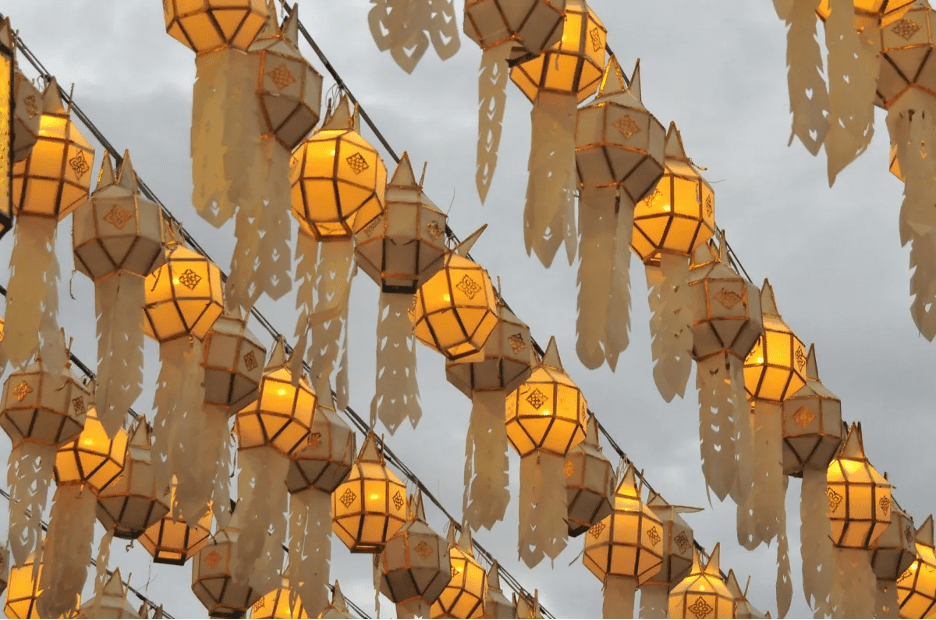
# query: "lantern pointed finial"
[[403, 175], [853, 446], [417, 508], [338, 600], [768, 301], [493, 576], [711, 567], [674, 148], [127, 177], [277, 355], [6, 34], [592, 432], [696, 562], [551, 356], [270, 27], [733, 586], [924, 533], [656, 501], [465, 246], [140, 434], [634, 87], [290, 28], [628, 485], [106, 176], [342, 117], [370, 451], [465, 542], [812, 369], [612, 82], [52, 98], [114, 585]]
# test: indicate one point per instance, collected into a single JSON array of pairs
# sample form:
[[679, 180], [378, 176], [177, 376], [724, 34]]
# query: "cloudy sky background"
[[716, 68]]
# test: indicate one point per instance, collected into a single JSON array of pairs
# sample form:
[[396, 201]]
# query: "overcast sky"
[[716, 68]]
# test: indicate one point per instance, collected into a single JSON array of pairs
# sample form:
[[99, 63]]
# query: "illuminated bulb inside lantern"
[[374, 496], [851, 467], [447, 297], [281, 392], [760, 360]]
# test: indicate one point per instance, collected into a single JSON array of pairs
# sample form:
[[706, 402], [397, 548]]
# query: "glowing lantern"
[[916, 587], [496, 605], [132, 502], [110, 601], [400, 250], [555, 81], [905, 63], [678, 546], [213, 581], [885, 11], [25, 100], [703, 592], [456, 309], [893, 553], [463, 597], [338, 608], [174, 542], [280, 603], [503, 363], [546, 417], [370, 506], [208, 25], [625, 549], [23, 590], [7, 98], [233, 356], [415, 564], [589, 482]]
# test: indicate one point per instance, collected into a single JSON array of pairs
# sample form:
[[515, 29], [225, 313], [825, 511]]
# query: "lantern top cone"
[[112, 602], [338, 607]]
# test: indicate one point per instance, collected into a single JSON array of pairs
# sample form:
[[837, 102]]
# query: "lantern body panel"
[[812, 428], [503, 363], [276, 604], [233, 364], [210, 25], [895, 549], [859, 503], [916, 587], [7, 144], [886, 11], [589, 482], [906, 47], [677, 547], [184, 297], [701, 596], [627, 543], [91, 459], [463, 597], [37, 407], [326, 458], [280, 417], [415, 563], [773, 368], [26, 115], [547, 412], [533, 24], [370, 507], [212, 582], [174, 542], [22, 591], [726, 313]]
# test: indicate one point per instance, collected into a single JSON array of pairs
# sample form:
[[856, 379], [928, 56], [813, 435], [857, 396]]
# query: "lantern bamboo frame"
[[23, 590], [463, 597], [536, 27], [589, 482], [212, 582], [174, 542], [773, 368], [906, 47], [703, 592], [280, 603], [895, 549], [233, 363], [92, 459], [210, 25], [327, 457]]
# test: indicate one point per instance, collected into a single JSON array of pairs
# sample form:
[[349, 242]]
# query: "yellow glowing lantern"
[[884, 11], [174, 542], [208, 25], [92, 459], [370, 506], [678, 546], [679, 214], [280, 603], [859, 497], [111, 602], [456, 309], [463, 597], [6, 129], [773, 369], [533, 24], [212, 581], [338, 179], [589, 482], [496, 605], [233, 363], [703, 593], [26, 99], [916, 587], [23, 590]]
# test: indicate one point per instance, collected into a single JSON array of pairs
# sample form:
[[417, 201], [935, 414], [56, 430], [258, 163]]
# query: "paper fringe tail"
[[854, 585], [804, 59], [670, 325], [717, 413], [487, 482], [32, 292], [272, 275], [886, 604], [784, 576], [66, 553], [240, 289], [100, 578], [597, 227], [310, 547], [816, 545], [29, 476], [543, 507], [619, 595], [397, 395], [492, 100], [760, 516], [618, 320], [654, 601], [744, 435], [549, 200]]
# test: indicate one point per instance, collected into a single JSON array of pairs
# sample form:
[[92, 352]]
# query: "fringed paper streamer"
[[816, 546], [759, 518], [654, 601], [240, 289], [487, 483], [492, 100], [32, 293], [261, 517], [886, 604], [853, 584], [784, 579], [809, 97], [670, 325], [852, 90], [744, 436], [552, 175], [597, 227], [310, 547], [407, 28], [397, 395], [29, 476], [216, 452], [67, 550], [100, 578], [717, 435], [375, 573], [618, 320], [543, 507], [619, 595], [119, 300]]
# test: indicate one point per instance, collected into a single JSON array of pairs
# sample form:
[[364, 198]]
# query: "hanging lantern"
[[174, 542], [625, 549], [7, 99], [455, 310], [23, 590], [916, 587], [213, 580], [703, 592], [503, 363], [407, 29], [619, 156], [370, 506], [400, 250], [743, 607], [527, 607], [556, 81], [726, 324], [415, 565], [678, 546], [338, 608], [885, 11], [110, 601], [44, 407], [280, 603], [117, 237], [498, 27], [546, 417], [25, 101], [892, 554], [47, 186], [589, 482], [463, 597], [496, 605]]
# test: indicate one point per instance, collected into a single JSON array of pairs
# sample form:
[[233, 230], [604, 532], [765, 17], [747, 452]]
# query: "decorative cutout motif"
[[654, 536], [258, 605], [250, 360], [729, 299], [212, 559], [434, 229], [627, 126], [907, 574], [348, 498], [905, 29], [516, 342], [411, 311], [803, 417], [281, 77], [682, 541], [78, 404], [569, 468], [371, 228], [21, 391], [398, 500], [800, 358], [118, 217], [31, 108], [455, 572], [293, 162], [423, 549], [908, 534], [79, 164], [537, 399], [597, 529], [357, 163], [595, 36], [701, 609], [834, 499], [315, 440], [468, 286], [709, 206], [885, 504], [189, 279]]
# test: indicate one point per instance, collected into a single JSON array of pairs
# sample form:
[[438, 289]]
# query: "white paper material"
[[809, 97], [100, 578], [743, 433], [407, 27], [854, 585], [492, 100], [310, 547], [654, 601], [784, 578], [717, 425], [815, 542], [886, 604], [543, 507], [619, 595], [487, 482], [760, 517], [397, 395], [29, 476], [66, 553], [597, 227], [617, 331], [670, 325]]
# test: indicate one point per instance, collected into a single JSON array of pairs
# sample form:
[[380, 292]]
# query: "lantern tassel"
[[618, 320], [492, 100], [886, 604], [784, 576], [397, 394], [670, 325], [32, 295], [854, 585], [274, 259], [597, 228], [743, 433], [67, 550], [240, 289], [809, 97], [654, 601], [619, 595], [487, 483], [119, 300], [716, 424], [759, 517], [100, 578], [310, 547], [543, 507], [29, 476], [816, 545], [552, 176], [330, 319]]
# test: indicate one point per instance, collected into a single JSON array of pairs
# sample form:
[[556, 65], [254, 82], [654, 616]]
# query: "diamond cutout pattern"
[[654, 535], [701, 609], [709, 206], [537, 399], [212, 559], [803, 417], [569, 468], [468, 286], [250, 360], [800, 356], [908, 534], [398, 500], [357, 163], [31, 107], [885, 504], [595, 36], [728, 299], [627, 126], [347, 498], [79, 164], [905, 29], [189, 279], [118, 217], [78, 404], [834, 499], [423, 549], [281, 77], [597, 529], [315, 440], [434, 229], [516, 342], [21, 391], [682, 541]]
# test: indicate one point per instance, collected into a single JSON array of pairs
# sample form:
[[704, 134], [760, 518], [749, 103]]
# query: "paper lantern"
[[26, 100], [110, 601], [589, 482], [916, 587], [463, 597], [546, 417], [174, 542], [280, 603], [400, 250], [415, 565], [455, 310], [7, 99], [904, 59], [338, 608], [23, 590], [678, 547], [527, 606], [743, 607], [625, 549], [370, 506], [886, 11], [773, 369], [91, 460], [703, 592], [207, 25], [233, 363], [213, 581], [496, 605], [892, 554], [132, 503], [327, 456]]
